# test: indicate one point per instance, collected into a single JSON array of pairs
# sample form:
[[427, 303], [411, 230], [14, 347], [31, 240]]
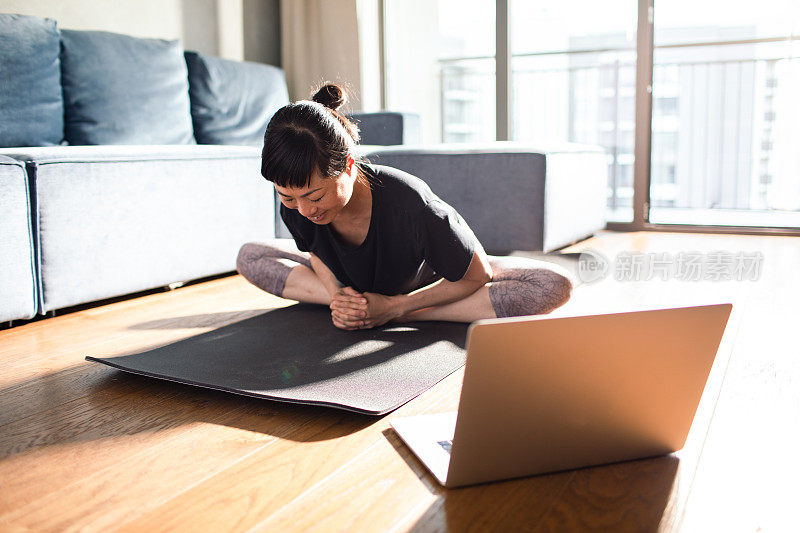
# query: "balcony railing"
[[714, 143]]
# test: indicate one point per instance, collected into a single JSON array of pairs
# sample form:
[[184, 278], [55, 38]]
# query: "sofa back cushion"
[[232, 101], [124, 90], [31, 108]]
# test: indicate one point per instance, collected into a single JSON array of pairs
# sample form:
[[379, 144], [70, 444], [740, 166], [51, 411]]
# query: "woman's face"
[[324, 198]]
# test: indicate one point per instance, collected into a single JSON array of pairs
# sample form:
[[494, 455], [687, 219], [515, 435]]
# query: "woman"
[[373, 243]]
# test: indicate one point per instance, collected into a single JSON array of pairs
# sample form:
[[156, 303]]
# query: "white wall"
[[208, 26]]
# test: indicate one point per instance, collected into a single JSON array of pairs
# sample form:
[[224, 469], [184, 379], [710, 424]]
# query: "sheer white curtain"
[[319, 42]]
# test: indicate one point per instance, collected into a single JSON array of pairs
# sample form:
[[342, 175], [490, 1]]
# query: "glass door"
[[726, 114], [574, 80], [440, 63]]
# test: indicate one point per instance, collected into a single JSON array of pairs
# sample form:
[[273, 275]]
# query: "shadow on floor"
[[90, 403], [205, 320], [626, 496], [273, 351]]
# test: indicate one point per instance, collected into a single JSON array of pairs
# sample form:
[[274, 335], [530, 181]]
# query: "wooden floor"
[[86, 447]]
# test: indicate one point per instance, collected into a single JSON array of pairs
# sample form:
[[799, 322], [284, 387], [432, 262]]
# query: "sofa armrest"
[[514, 196], [18, 294], [386, 128]]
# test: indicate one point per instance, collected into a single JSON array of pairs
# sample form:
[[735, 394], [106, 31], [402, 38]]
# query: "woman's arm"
[[325, 275], [348, 307], [380, 309], [443, 292]]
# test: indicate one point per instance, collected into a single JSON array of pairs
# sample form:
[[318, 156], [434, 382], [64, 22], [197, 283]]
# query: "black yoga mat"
[[296, 354]]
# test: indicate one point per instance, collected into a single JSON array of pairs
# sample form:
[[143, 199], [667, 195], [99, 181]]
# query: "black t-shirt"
[[414, 238]]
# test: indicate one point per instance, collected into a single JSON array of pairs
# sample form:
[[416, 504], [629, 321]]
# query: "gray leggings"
[[519, 286]]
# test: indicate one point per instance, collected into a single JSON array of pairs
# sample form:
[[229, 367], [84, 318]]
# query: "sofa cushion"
[[31, 108], [124, 90], [232, 101]]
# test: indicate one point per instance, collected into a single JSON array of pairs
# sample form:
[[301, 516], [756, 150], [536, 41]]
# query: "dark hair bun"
[[331, 96]]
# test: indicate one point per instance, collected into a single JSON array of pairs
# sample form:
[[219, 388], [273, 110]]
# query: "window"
[[574, 80], [725, 118], [440, 64], [735, 85]]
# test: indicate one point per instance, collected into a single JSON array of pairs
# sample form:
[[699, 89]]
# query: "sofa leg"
[[51, 314], [176, 285], [9, 324]]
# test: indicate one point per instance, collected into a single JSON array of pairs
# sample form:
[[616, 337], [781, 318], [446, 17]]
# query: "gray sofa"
[[112, 220], [118, 215], [515, 196]]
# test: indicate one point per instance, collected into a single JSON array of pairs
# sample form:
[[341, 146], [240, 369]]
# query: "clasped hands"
[[352, 310]]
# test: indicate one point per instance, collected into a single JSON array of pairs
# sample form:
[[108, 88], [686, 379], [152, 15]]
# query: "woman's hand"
[[348, 308], [381, 309], [353, 310]]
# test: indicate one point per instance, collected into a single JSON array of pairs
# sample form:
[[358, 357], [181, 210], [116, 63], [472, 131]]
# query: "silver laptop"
[[544, 394]]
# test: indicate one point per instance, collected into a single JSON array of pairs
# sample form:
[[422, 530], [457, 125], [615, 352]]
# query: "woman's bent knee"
[[247, 255], [529, 292], [257, 266], [563, 289]]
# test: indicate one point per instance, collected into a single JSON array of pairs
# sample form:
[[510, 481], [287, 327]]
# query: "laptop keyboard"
[[446, 444]]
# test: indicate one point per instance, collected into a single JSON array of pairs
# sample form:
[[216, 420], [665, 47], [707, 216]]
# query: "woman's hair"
[[308, 135]]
